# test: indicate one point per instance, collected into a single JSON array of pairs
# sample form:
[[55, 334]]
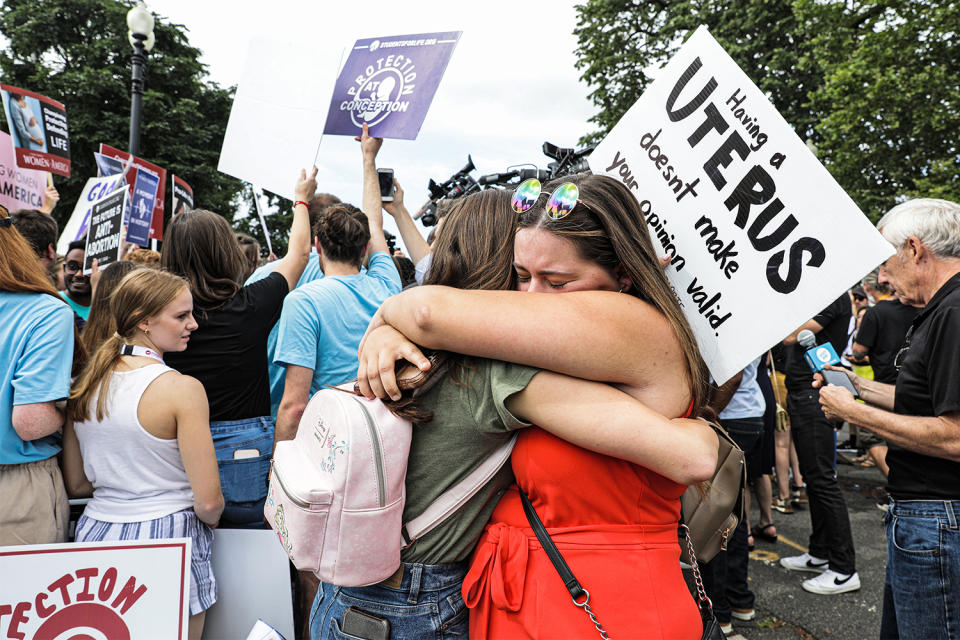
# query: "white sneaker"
[[830, 582], [726, 628], [805, 562]]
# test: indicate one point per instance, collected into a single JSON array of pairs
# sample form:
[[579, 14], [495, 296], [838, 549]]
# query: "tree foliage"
[[872, 83], [77, 52]]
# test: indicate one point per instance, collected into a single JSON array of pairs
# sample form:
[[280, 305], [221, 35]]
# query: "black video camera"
[[459, 184]]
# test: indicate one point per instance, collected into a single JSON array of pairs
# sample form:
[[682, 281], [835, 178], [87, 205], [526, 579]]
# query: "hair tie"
[[6, 222]]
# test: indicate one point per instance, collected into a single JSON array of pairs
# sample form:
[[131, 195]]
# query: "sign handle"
[[257, 194]]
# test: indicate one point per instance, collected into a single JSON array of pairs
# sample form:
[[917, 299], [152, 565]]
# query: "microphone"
[[817, 356]]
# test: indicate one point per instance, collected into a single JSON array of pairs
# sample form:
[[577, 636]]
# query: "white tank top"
[[135, 475]]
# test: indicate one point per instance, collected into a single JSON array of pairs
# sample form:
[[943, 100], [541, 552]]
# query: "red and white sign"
[[19, 188], [96, 590], [156, 225]]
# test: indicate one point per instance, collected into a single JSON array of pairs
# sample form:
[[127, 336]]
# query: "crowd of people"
[[158, 386]]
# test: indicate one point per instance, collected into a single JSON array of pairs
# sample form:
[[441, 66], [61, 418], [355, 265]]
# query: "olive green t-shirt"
[[469, 423]]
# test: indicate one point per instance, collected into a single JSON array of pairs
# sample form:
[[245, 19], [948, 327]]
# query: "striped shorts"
[[182, 524]]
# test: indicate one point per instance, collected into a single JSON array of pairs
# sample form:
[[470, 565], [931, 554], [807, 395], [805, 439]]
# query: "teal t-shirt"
[[36, 355], [470, 422], [276, 372], [323, 321], [79, 309]]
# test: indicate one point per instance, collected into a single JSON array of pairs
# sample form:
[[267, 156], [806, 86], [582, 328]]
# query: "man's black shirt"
[[882, 331], [929, 385], [835, 321]]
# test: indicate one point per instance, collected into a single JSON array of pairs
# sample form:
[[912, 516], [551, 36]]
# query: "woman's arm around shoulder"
[[596, 335], [598, 417], [192, 415]]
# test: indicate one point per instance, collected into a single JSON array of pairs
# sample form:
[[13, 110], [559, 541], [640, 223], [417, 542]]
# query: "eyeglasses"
[[561, 203], [902, 354], [72, 266]]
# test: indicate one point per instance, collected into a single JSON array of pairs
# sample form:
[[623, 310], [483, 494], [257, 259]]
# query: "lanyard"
[[137, 350]]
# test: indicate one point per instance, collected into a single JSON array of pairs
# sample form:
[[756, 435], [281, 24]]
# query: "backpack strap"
[[456, 496]]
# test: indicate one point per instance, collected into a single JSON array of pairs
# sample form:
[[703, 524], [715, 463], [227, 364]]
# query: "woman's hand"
[[383, 346], [306, 185], [394, 207], [369, 145]]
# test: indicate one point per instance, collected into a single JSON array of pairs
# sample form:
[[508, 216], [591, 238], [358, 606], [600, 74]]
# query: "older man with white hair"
[[920, 417]]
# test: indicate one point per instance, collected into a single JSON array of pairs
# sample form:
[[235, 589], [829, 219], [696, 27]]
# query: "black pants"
[[815, 439], [725, 577]]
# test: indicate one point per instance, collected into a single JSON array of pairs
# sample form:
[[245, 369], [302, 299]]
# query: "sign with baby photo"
[[38, 130], [758, 229]]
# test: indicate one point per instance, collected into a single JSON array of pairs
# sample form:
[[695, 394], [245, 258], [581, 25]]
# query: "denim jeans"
[[244, 480], [816, 442], [921, 596], [725, 576], [428, 604]]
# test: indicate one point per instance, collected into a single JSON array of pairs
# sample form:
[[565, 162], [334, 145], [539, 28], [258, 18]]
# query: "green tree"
[[872, 82], [888, 109], [76, 51]]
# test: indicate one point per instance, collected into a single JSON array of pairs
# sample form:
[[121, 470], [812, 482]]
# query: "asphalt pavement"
[[784, 609]]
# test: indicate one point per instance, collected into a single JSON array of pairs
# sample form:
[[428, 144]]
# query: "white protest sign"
[[115, 590], [76, 227], [279, 112], [258, 201], [760, 230], [253, 582]]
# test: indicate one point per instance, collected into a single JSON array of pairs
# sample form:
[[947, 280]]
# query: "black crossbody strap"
[[569, 580], [579, 595]]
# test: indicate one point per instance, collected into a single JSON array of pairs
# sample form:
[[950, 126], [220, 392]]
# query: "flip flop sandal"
[[761, 532]]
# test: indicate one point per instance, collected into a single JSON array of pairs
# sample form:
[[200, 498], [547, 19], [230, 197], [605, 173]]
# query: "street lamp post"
[[140, 23]]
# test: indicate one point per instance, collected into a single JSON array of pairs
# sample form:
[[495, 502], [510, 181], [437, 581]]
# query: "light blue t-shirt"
[[310, 273], [323, 321], [748, 401], [36, 354], [79, 309]]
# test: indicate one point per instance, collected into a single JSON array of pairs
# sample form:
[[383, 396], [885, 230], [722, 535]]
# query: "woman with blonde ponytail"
[[37, 343], [137, 435]]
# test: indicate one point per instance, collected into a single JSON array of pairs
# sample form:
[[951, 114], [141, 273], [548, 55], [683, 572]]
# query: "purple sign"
[[141, 208], [389, 83]]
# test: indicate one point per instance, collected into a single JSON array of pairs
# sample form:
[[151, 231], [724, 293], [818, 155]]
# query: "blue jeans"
[[427, 604], [243, 481], [920, 594]]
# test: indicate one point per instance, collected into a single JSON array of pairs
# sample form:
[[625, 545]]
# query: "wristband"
[[296, 202]]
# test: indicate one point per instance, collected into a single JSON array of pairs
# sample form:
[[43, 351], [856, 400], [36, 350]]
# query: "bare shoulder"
[[178, 388]]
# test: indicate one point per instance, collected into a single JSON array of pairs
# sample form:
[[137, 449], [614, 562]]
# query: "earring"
[[621, 290]]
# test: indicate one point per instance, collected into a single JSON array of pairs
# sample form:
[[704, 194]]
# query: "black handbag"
[[581, 597]]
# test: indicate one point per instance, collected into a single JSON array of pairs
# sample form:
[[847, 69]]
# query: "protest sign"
[[760, 232], [105, 237], [38, 130], [107, 166], [76, 227], [142, 208], [117, 590], [258, 201], [253, 582], [181, 194], [19, 188], [277, 116], [139, 164], [389, 83]]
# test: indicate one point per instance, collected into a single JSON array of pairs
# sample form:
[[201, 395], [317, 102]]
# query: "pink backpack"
[[337, 490]]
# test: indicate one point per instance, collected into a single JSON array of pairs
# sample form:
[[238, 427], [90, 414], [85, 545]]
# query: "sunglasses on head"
[[561, 202]]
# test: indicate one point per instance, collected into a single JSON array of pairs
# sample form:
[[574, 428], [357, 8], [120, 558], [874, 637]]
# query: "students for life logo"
[[379, 90]]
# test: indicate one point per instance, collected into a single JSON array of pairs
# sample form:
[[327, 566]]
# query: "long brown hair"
[[608, 228], [100, 323], [21, 272], [142, 294], [473, 250], [200, 246]]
